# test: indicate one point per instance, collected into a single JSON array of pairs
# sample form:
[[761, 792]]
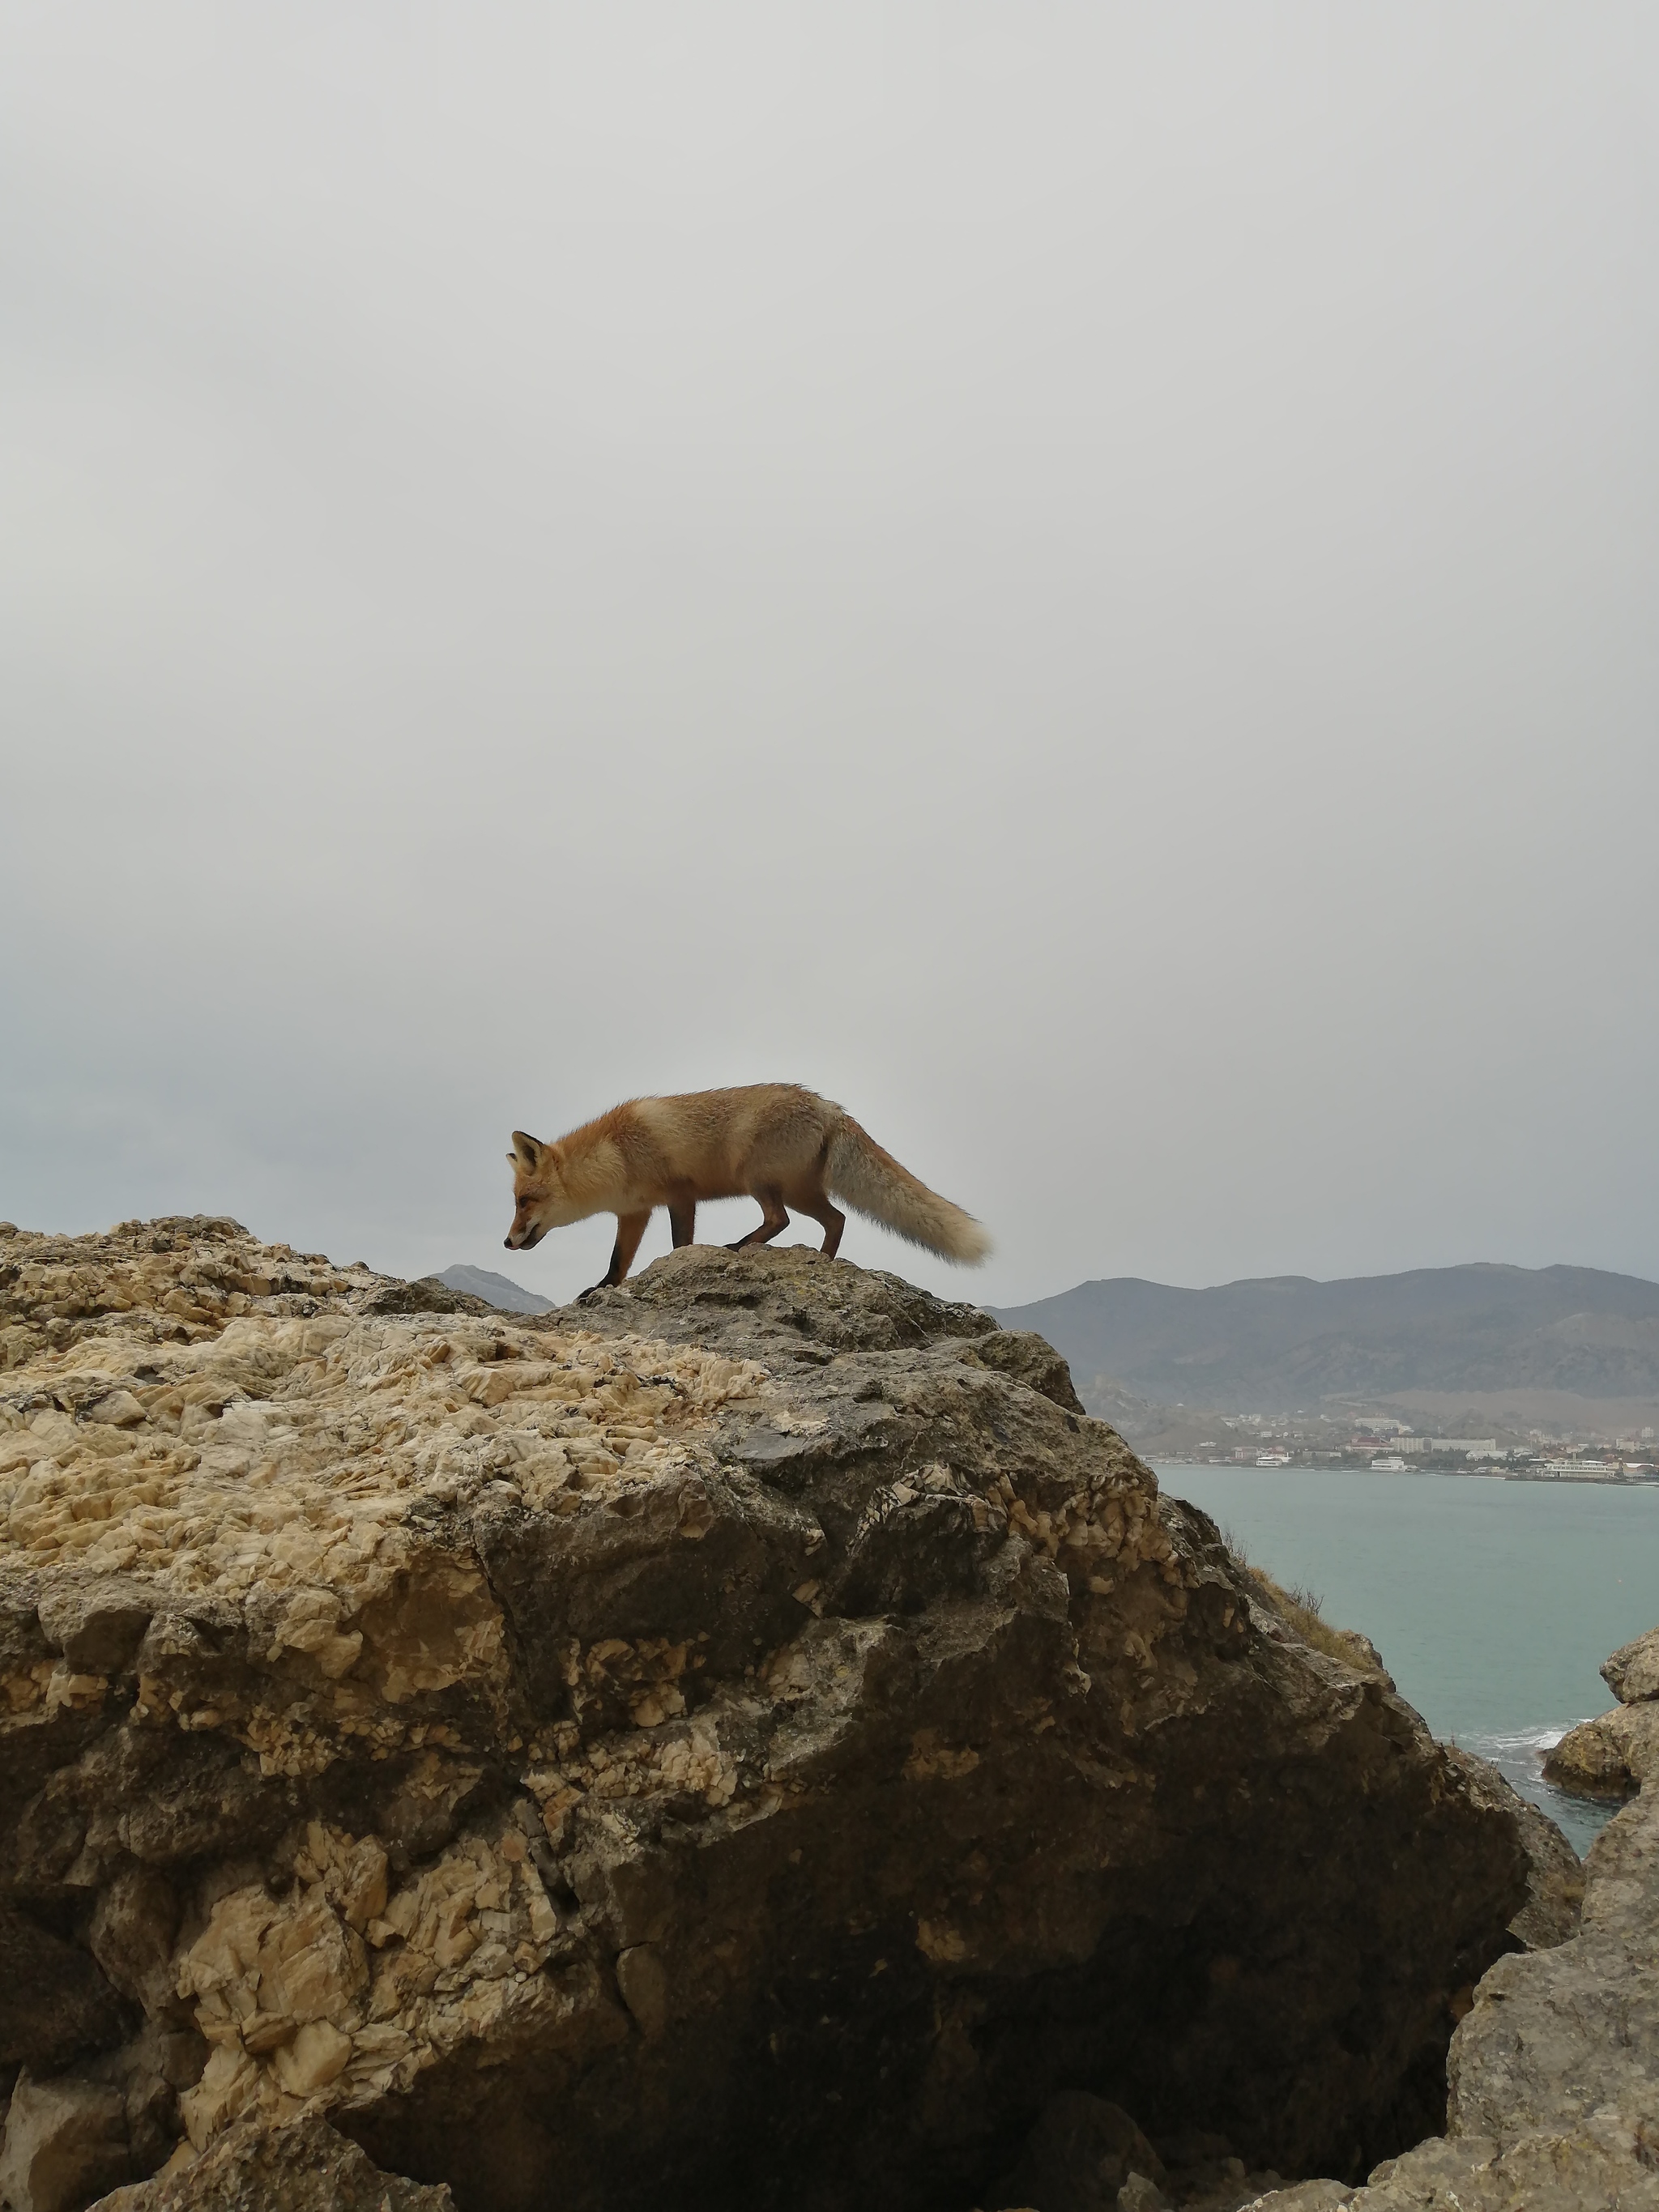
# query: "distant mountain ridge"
[[495, 1290], [1280, 1344]]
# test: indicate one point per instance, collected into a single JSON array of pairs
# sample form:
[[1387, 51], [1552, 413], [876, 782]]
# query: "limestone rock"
[[1610, 1756], [132, 1933], [65, 2143], [1555, 1876], [302, 2168], [1554, 2071], [1633, 1673], [95, 1621], [749, 1734], [1554, 2037], [1613, 1755], [1606, 2164]]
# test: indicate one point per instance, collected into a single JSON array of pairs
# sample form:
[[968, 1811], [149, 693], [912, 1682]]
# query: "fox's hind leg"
[[773, 1219], [682, 1220], [833, 1220], [630, 1228]]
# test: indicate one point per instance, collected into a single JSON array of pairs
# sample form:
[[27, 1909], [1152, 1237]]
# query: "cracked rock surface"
[[1555, 2073], [304, 2167], [752, 1734]]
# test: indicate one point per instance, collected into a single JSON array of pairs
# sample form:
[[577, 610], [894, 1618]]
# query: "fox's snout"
[[518, 1239]]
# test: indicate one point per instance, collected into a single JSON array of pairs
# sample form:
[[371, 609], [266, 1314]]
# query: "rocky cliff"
[[1555, 2071], [752, 1735]]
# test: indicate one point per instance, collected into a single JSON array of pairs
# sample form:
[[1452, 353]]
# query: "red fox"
[[770, 1141]]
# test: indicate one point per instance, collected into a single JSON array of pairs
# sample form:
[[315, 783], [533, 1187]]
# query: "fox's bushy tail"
[[873, 1183]]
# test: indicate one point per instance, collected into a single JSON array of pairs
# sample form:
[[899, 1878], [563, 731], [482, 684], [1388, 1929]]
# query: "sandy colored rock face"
[[751, 1733], [1610, 1756], [303, 2168], [1633, 1673]]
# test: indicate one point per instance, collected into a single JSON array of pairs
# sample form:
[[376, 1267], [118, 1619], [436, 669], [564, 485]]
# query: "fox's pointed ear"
[[527, 1151]]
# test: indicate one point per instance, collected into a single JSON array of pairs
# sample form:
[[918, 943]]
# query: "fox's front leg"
[[630, 1228]]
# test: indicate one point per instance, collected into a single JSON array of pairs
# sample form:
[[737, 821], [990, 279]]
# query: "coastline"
[[1493, 1602]]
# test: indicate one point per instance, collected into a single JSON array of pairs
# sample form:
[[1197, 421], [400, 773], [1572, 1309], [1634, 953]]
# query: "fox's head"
[[540, 1201]]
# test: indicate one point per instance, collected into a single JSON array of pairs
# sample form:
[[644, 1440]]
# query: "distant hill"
[[495, 1290], [1284, 1343]]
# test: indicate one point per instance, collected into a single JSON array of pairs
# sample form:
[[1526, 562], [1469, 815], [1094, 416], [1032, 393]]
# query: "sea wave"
[[1518, 1741], [1518, 1755]]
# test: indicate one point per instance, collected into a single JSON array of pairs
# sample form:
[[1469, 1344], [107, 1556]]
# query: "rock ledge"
[[752, 1734]]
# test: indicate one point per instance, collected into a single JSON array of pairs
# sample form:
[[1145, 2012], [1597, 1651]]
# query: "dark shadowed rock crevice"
[[1554, 2069], [751, 1736]]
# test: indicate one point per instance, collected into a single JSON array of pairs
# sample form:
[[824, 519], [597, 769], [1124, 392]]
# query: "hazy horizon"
[[1078, 580]]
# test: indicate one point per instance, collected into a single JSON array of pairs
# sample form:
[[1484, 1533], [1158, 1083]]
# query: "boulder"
[[1554, 2072], [1609, 1756], [65, 2143], [304, 2166], [750, 1735], [1614, 1754], [1555, 1874], [1605, 2164], [1633, 1673]]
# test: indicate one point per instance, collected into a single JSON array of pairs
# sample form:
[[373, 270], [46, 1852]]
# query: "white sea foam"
[[1511, 1741], [1518, 1755]]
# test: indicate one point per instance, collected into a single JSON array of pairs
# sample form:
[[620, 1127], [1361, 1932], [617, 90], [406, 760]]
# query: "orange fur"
[[774, 1142]]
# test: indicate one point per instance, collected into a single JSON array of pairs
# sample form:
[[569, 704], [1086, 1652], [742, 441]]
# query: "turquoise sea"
[[1493, 1603]]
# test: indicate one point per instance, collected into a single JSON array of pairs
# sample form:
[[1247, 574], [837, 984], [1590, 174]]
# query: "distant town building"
[[1404, 1440]]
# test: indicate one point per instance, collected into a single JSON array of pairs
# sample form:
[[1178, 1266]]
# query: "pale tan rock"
[[228, 2086], [317, 2055], [1633, 1673], [118, 1410], [1605, 2164], [534, 1724], [259, 2166], [65, 2142], [1610, 1756], [644, 1987]]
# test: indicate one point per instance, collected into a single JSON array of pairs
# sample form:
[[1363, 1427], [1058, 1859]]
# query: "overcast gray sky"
[[1079, 578]]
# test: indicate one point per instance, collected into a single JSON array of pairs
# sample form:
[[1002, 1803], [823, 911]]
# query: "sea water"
[[1493, 1603]]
